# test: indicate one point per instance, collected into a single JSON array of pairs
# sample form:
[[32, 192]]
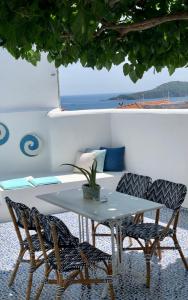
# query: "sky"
[[76, 80]]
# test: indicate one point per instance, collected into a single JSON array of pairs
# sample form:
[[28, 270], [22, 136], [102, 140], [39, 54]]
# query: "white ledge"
[[57, 112], [64, 113]]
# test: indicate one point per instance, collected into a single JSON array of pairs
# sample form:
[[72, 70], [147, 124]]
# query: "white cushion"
[[84, 160]]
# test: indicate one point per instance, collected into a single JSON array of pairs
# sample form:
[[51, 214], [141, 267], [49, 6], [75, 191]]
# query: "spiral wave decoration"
[[4, 134], [31, 145]]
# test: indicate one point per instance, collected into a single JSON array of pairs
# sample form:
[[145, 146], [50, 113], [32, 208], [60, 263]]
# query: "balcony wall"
[[13, 163], [156, 141], [74, 131], [26, 87]]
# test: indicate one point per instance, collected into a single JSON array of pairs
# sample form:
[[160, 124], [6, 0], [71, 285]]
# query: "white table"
[[115, 209]]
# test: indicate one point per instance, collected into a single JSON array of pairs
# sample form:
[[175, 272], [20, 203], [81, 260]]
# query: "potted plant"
[[91, 190]]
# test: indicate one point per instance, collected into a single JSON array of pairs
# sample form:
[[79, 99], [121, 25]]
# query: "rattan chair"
[[150, 235], [131, 184], [22, 219], [69, 257]]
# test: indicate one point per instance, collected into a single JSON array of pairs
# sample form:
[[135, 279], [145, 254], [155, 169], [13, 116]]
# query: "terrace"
[[155, 145]]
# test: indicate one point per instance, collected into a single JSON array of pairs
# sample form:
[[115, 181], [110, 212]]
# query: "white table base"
[[117, 247]]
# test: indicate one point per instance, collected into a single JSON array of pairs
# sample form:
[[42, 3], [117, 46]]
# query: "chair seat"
[[126, 222], [36, 243], [146, 231], [71, 258]]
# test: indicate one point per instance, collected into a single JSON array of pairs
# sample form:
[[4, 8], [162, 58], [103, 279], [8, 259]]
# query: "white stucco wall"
[[13, 163], [27, 93], [24, 86], [156, 142], [78, 130]]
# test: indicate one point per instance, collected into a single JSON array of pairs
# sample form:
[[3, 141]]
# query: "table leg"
[[87, 229], [80, 228], [113, 247], [119, 245], [83, 228], [115, 227]]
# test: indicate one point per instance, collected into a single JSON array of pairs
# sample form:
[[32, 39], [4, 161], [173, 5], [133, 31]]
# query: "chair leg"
[[110, 285], [87, 276], [29, 284], [177, 246], [148, 265], [111, 290], [40, 288], [14, 272], [159, 250], [59, 292]]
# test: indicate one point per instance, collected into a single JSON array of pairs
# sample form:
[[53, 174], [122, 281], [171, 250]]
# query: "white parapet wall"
[[156, 142], [74, 131]]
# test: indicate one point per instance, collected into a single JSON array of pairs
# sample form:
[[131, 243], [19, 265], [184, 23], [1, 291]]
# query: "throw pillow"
[[84, 160], [13, 184], [44, 180], [114, 159], [100, 157]]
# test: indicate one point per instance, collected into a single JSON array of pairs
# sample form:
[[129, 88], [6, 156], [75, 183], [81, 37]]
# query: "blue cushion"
[[114, 160], [100, 157], [18, 183], [44, 180]]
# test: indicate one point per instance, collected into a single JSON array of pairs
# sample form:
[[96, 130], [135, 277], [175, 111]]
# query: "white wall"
[[13, 163], [24, 86], [73, 131], [27, 93], [156, 142]]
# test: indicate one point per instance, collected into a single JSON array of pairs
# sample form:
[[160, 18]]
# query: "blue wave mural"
[[4, 134], [31, 145]]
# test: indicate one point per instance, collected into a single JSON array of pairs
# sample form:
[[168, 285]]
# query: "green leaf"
[[89, 31], [133, 76], [171, 69], [49, 57], [82, 170], [126, 69]]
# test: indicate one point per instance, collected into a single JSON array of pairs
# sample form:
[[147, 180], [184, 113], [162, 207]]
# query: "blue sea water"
[[98, 101]]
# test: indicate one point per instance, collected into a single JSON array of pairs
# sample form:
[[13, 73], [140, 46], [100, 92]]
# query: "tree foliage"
[[98, 33]]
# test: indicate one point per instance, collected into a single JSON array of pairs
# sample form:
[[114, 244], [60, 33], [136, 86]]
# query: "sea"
[[99, 101]]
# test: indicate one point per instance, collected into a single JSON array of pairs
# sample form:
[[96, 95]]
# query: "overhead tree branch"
[[123, 28]]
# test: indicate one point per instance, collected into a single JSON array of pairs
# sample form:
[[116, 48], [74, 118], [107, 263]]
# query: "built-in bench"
[[68, 180]]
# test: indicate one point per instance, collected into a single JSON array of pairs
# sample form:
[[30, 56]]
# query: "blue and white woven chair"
[[150, 235], [29, 243], [69, 257], [131, 184]]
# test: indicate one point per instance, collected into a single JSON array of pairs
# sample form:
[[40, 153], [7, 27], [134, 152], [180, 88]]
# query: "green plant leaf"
[[82, 170]]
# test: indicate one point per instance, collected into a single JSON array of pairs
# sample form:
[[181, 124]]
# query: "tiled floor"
[[169, 278]]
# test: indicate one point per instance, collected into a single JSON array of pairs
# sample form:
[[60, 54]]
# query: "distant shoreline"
[[101, 101], [166, 90], [159, 104]]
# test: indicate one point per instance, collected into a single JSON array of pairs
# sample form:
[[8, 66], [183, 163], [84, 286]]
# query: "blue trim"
[[6, 136], [34, 144]]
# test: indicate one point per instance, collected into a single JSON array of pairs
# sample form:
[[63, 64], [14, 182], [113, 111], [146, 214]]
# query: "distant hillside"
[[171, 89]]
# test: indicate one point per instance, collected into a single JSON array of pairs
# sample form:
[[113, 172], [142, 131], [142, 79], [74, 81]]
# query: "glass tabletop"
[[115, 206]]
